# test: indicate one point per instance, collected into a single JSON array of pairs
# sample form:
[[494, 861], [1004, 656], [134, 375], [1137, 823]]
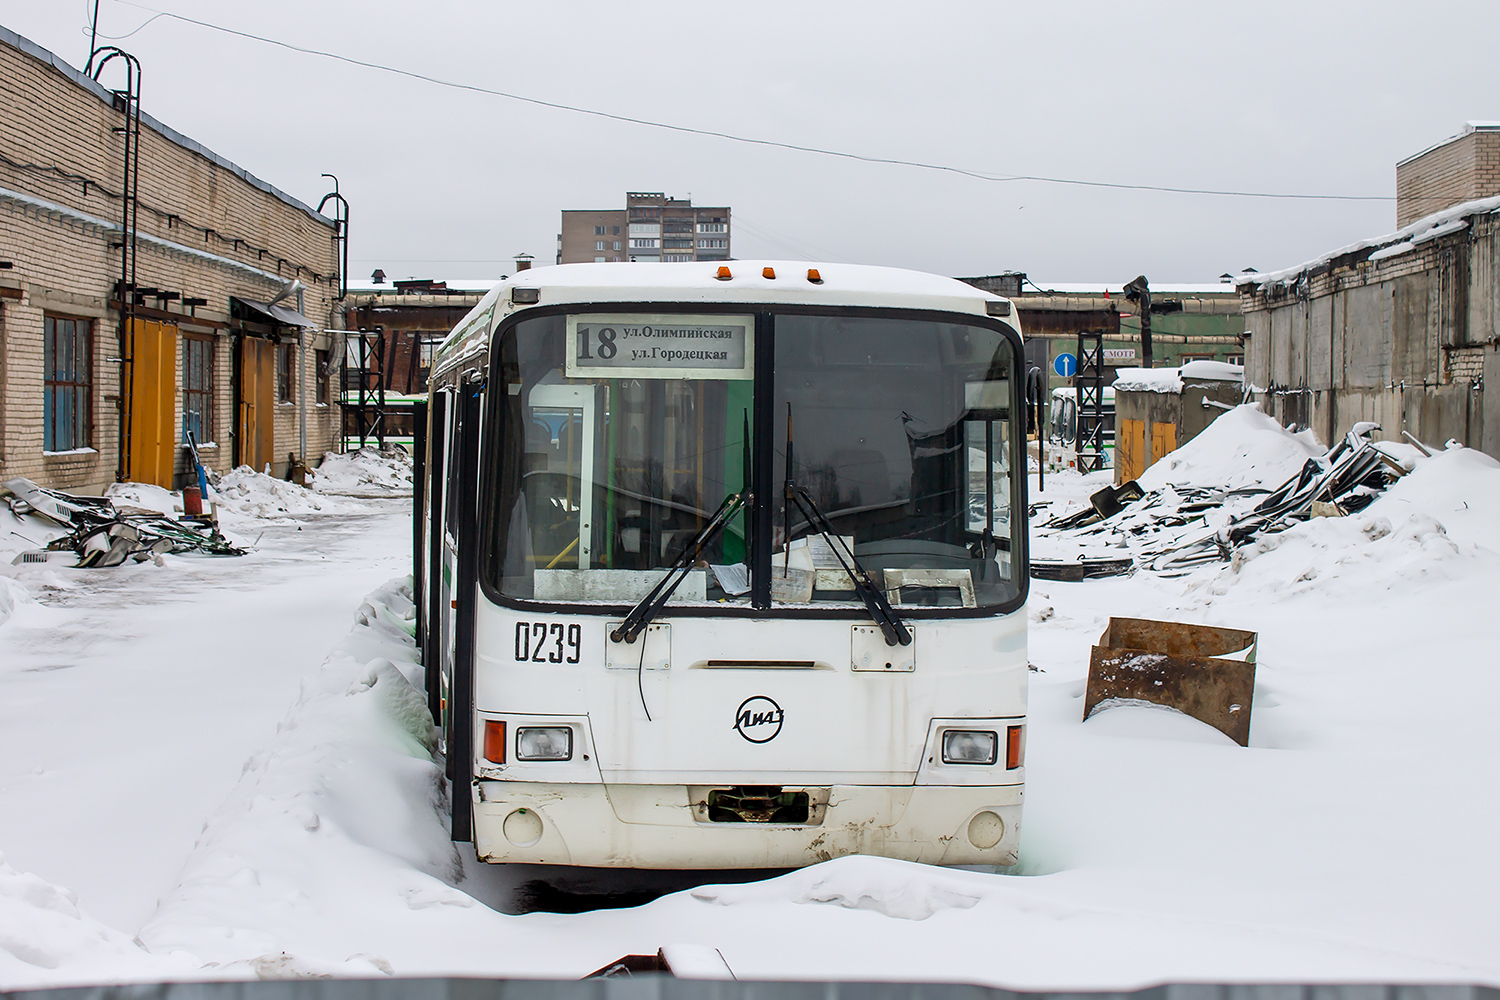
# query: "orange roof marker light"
[[723, 274], [768, 272], [814, 276]]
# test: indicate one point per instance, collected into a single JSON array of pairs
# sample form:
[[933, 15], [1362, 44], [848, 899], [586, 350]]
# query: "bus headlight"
[[544, 743], [968, 746]]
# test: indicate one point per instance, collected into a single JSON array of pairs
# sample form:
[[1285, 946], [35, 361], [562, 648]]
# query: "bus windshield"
[[620, 434]]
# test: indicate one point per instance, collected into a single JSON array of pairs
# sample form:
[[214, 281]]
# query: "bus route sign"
[[635, 345]]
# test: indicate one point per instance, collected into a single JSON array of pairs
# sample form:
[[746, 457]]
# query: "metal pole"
[[301, 388]]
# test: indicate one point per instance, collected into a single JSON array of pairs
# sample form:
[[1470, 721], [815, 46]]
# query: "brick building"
[[233, 298], [1464, 167], [651, 227], [1402, 329]]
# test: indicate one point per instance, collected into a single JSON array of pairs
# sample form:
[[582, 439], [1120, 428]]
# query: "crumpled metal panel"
[[1200, 670]]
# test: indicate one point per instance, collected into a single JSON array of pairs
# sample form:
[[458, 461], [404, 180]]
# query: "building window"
[[197, 387], [598, 260], [711, 227], [284, 376], [67, 362], [645, 229], [1183, 359], [712, 244], [617, 242], [615, 232], [642, 244], [1235, 359], [598, 244], [325, 373], [676, 258], [598, 230]]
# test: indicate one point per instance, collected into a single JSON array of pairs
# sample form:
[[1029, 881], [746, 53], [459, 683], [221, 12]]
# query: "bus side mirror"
[[1033, 401]]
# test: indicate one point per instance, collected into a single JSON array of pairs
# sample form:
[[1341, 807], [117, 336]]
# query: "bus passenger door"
[[560, 445]]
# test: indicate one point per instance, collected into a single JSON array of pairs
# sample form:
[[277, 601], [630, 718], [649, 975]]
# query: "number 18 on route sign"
[[1065, 365]]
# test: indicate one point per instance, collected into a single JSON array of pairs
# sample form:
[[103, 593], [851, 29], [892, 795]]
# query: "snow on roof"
[[30, 48], [1148, 380], [1390, 245], [1170, 379], [1215, 371], [388, 286], [1118, 288]]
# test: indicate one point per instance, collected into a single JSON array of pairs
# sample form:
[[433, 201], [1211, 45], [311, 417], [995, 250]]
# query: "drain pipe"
[[301, 389]]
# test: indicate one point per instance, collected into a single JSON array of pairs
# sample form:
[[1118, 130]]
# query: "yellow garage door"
[[1130, 450], [1163, 441], [255, 442], [152, 427]]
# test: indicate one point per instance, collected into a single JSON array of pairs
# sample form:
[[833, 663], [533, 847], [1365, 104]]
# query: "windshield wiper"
[[891, 626], [640, 616], [895, 630]]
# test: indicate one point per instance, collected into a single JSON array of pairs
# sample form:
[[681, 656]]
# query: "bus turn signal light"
[[724, 274], [494, 741], [814, 276], [1013, 747], [768, 272]]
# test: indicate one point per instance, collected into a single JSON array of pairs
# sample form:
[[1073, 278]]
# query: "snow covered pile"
[[341, 811], [45, 940], [1398, 543], [366, 472], [1242, 448], [255, 494]]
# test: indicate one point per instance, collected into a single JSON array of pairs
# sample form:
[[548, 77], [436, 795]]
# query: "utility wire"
[[819, 151]]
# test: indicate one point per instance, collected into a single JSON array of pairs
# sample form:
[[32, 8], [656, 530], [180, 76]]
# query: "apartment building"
[[650, 228], [205, 303]]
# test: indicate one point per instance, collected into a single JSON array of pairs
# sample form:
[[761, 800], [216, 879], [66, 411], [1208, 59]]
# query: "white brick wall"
[[54, 131]]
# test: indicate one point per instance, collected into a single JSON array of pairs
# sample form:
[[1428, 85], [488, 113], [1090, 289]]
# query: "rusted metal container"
[[1200, 670]]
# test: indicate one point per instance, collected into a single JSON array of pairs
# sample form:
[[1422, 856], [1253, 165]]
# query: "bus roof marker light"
[[997, 308], [768, 272], [525, 296], [723, 274], [813, 276]]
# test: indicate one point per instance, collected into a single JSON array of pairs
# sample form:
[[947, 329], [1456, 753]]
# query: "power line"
[[711, 133]]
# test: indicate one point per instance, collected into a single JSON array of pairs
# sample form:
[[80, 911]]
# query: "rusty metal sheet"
[[1180, 666]]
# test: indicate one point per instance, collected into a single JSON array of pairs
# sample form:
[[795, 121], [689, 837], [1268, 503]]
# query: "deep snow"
[[1352, 840]]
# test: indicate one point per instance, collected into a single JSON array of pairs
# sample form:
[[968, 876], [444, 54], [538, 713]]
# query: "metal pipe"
[[301, 387]]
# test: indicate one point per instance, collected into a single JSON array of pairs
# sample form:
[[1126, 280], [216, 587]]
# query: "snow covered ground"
[[227, 761]]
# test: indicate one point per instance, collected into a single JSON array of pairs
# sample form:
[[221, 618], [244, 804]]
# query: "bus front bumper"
[[659, 826]]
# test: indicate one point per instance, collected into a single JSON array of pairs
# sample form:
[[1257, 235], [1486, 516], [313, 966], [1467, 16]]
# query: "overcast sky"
[[1306, 97]]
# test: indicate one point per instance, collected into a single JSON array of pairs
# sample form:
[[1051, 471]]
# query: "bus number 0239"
[[548, 642]]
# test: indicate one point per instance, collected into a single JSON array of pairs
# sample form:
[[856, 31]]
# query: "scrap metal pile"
[[103, 534], [1174, 529]]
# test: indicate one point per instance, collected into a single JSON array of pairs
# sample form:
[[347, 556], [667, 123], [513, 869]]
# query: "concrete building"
[[86, 399], [1401, 329], [1188, 323], [650, 228]]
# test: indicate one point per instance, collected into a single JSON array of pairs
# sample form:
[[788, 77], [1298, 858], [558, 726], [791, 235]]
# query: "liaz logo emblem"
[[758, 719]]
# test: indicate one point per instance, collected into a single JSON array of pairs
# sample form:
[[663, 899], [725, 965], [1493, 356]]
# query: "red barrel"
[[192, 501]]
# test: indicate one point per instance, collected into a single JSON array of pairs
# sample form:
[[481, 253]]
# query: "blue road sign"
[[1065, 365]]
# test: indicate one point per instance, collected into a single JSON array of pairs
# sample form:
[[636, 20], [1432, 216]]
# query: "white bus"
[[723, 566], [1062, 431]]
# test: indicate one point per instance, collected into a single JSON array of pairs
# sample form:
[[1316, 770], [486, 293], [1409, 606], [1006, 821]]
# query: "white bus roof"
[[698, 282]]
